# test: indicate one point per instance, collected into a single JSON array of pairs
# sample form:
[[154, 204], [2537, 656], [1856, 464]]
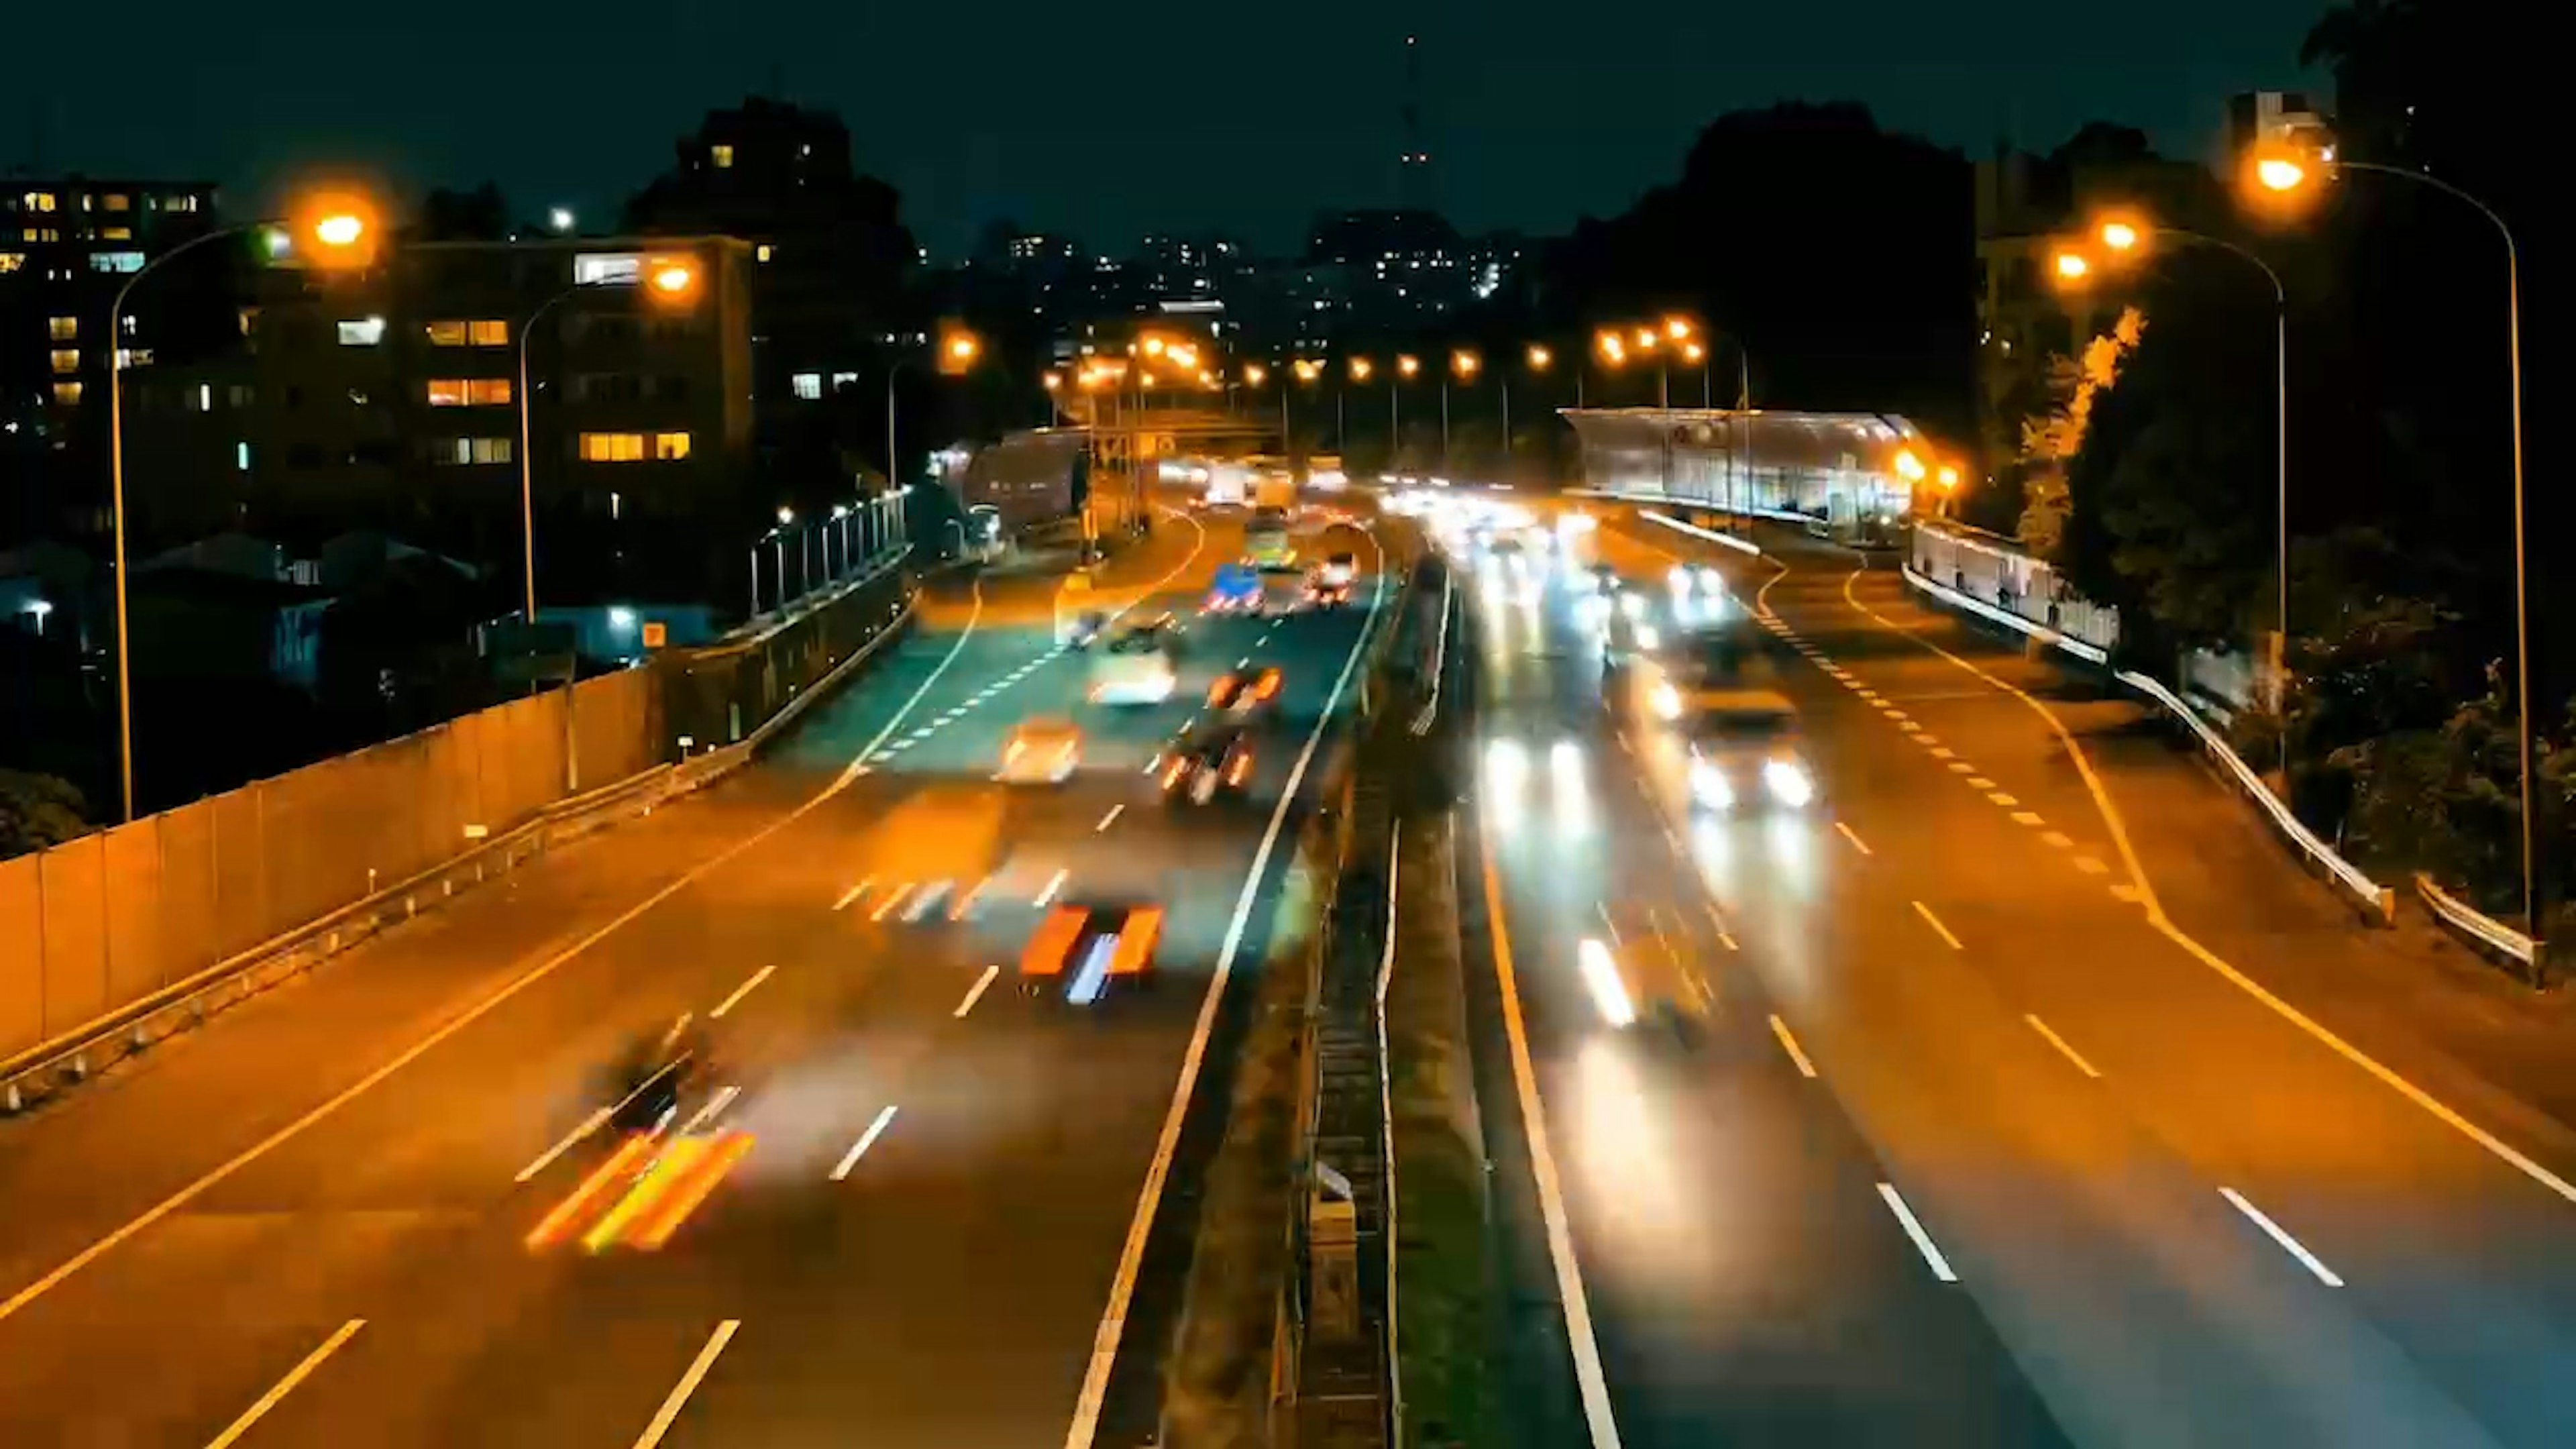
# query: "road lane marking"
[[2000, 798], [286, 1385], [1933, 743], [1892, 712], [893, 899], [1592, 1383], [853, 893], [1934, 922], [2090, 866], [1789, 1044], [925, 901], [1922, 1240], [975, 993], [2059, 1042], [1714, 919], [2027, 817], [1608, 924], [739, 992], [142, 1222], [713, 1109], [1113, 1318], [688, 1384], [1054, 883], [2058, 838], [1106, 820], [1980, 782], [2289, 1244], [867, 1139], [2123, 891], [570, 1140], [1853, 838], [965, 903]]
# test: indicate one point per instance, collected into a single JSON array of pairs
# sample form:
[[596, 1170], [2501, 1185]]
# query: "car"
[[1041, 752], [1210, 763], [1328, 584], [1136, 664], [1743, 751], [1244, 691], [1082, 949], [1238, 589]]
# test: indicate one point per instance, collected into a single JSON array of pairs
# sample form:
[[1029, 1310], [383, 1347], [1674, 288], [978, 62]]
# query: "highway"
[[367, 1208], [1981, 1143]]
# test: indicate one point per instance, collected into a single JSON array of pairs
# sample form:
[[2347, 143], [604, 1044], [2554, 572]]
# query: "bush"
[[37, 811]]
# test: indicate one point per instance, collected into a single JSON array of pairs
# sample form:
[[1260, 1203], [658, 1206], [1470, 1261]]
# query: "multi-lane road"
[[318, 1220], [2012, 1121]]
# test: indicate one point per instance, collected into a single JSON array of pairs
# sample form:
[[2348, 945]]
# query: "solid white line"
[[1054, 883], [925, 900], [867, 1139], [2288, 1244], [893, 899], [1854, 839], [739, 992], [1246, 659], [286, 1385], [1914, 1230], [715, 1107], [1122, 1287], [1114, 812], [1589, 1378], [589, 1124], [975, 993], [853, 893], [2059, 1042], [1789, 1044], [687, 1385], [1934, 922], [1608, 924], [1718, 921], [543, 969]]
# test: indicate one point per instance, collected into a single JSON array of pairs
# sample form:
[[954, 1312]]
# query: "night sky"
[[1096, 119]]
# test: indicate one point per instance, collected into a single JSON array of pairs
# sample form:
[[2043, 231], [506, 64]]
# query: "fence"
[[101, 922], [1998, 573], [719, 695]]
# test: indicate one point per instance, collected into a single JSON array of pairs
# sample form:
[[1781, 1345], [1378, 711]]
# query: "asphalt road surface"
[[1980, 1142], [365, 1209]]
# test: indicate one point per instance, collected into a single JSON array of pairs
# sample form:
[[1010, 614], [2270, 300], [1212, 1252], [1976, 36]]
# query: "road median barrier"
[[2479, 931]]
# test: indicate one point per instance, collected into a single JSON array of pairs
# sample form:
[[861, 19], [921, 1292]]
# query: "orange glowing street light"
[[1645, 339], [1677, 328], [671, 279], [340, 227], [2071, 267], [1308, 369], [1361, 367], [1407, 364], [1613, 351], [1465, 362], [1051, 381], [2120, 234], [1540, 358], [1254, 374]]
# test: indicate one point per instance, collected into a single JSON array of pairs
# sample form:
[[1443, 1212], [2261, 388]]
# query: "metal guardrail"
[[2482, 931], [71, 1057], [1742, 545], [2376, 902]]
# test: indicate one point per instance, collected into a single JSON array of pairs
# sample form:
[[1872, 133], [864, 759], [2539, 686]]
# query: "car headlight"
[[1709, 787], [1647, 638], [1667, 702], [1788, 783], [1680, 578], [1632, 605], [1712, 581]]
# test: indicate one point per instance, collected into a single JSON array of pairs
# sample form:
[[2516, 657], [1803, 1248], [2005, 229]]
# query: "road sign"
[[656, 634]]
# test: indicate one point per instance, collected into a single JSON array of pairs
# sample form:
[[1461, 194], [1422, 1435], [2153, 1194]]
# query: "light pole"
[[2284, 174], [671, 281], [342, 228], [1464, 364], [1358, 369], [958, 349], [1406, 365]]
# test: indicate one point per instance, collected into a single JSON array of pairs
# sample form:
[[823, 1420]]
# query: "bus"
[[1265, 541]]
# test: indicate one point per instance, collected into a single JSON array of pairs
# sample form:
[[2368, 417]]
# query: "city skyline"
[[1524, 137]]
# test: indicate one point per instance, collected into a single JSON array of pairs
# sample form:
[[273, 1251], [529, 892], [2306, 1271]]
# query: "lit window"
[[62, 329], [612, 447], [40, 201], [67, 393], [670, 447], [807, 385], [469, 392], [241, 457], [116, 233], [362, 331], [180, 203], [248, 317], [11, 261], [134, 357], [128, 325], [470, 450], [204, 398], [841, 380], [490, 332], [764, 252], [116, 261], [597, 269], [116, 201], [447, 333], [43, 234], [66, 359], [722, 156]]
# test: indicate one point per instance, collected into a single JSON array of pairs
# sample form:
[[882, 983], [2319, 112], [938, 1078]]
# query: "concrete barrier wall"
[[104, 921]]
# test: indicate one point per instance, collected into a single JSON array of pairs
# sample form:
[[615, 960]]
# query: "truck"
[[1275, 489]]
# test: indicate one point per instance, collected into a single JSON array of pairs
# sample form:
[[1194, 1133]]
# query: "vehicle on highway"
[[1085, 630], [1041, 752], [654, 1073], [1238, 589], [1081, 949], [1136, 664], [1743, 751], [1213, 762], [1328, 585], [1265, 541], [1242, 692]]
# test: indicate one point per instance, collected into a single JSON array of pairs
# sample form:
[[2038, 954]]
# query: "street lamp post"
[[343, 228], [1406, 366], [672, 280]]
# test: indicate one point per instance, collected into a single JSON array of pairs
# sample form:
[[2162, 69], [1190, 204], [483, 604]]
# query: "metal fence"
[[719, 695], [104, 921]]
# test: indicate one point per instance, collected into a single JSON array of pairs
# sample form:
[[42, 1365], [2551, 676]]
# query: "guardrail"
[[2376, 902], [2482, 931], [73, 1056], [1743, 545]]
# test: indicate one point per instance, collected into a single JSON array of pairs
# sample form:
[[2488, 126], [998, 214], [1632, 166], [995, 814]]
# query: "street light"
[[342, 228], [2284, 174], [1254, 374], [2071, 267], [670, 282], [958, 349]]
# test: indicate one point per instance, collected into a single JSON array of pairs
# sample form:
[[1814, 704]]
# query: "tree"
[[38, 811]]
